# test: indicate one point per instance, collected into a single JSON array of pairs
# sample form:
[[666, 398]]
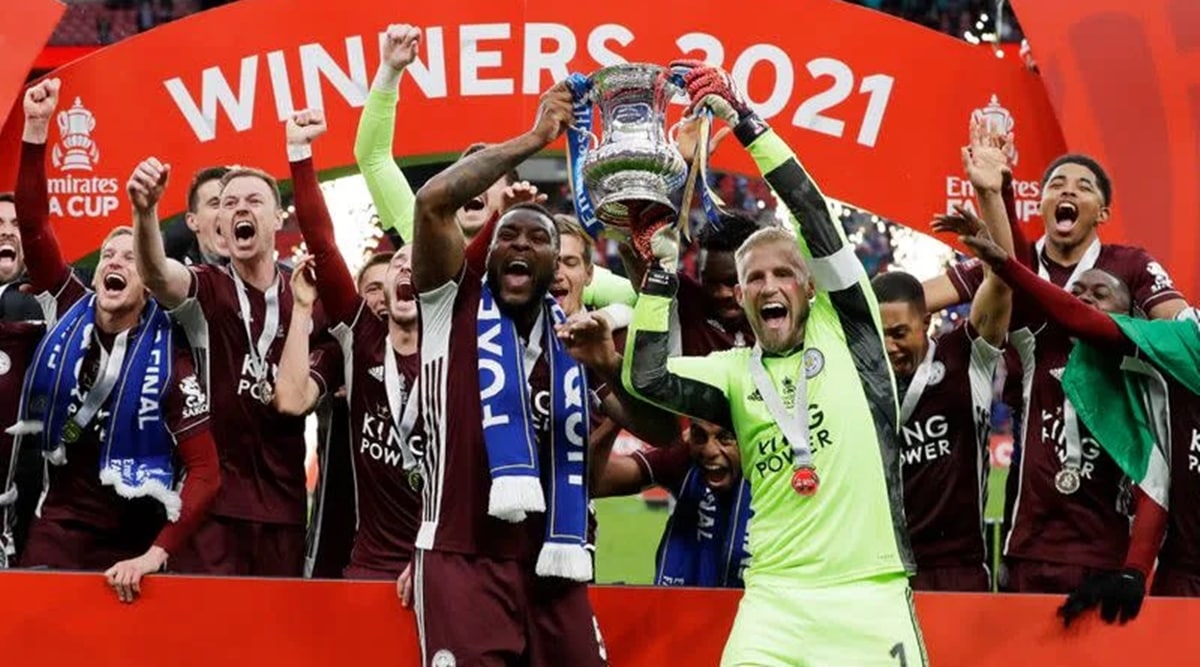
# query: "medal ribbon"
[[794, 424], [259, 349], [404, 419], [110, 371]]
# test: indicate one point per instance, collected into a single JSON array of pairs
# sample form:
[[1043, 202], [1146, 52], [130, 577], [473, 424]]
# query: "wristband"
[[660, 283], [749, 128], [299, 152]]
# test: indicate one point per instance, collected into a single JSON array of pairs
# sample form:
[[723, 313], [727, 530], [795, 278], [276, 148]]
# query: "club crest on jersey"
[[377, 373], [5, 363], [814, 362], [443, 658], [937, 373]]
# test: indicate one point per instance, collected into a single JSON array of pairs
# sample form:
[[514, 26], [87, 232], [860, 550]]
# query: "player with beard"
[[1067, 503], [1119, 362], [946, 388], [238, 314], [195, 239], [111, 398], [813, 406], [20, 328], [383, 408], [501, 552]]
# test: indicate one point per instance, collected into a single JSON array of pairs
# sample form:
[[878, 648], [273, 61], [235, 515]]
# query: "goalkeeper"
[[814, 407]]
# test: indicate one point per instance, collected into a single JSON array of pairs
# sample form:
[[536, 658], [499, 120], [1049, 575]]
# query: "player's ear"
[[738, 294], [1103, 216]]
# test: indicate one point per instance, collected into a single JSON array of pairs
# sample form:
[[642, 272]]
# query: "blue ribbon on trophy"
[[579, 141]]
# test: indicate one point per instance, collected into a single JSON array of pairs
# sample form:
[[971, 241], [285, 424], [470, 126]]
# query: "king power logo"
[[78, 192], [959, 191]]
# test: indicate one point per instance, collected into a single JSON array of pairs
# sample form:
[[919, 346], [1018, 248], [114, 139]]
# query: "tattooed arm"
[[438, 241]]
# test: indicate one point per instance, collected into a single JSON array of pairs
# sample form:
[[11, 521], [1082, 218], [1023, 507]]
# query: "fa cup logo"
[[75, 127], [997, 119]]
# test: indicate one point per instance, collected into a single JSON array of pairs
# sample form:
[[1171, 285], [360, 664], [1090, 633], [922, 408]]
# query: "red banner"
[[24, 28], [877, 108], [1124, 78], [63, 619]]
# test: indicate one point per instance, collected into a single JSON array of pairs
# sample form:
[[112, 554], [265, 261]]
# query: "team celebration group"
[[824, 452]]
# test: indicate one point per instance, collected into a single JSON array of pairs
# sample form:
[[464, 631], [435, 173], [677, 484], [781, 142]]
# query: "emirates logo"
[[76, 151]]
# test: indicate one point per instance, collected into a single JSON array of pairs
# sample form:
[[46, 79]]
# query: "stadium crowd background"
[[626, 548]]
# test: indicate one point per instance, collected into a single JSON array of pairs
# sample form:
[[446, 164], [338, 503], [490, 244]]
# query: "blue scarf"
[[704, 543], [518, 486], [136, 456]]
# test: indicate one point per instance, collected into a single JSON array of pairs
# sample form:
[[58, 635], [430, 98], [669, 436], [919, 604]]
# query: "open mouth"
[[243, 230], [559, 292], [476, 204], [405, 292], [773, 313], [8, 252], [1065, 215], [517, 274], [715, 473], [114, 282]]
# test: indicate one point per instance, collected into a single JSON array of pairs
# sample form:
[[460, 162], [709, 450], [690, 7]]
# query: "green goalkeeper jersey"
[[853, 527]]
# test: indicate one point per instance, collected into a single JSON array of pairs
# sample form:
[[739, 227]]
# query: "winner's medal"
[[71, 432], [415, 480], [805, 481], [1067, 481], [266, 391]]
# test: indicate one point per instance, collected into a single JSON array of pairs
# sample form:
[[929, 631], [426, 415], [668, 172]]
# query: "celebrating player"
[[827, 583], [237, 314], [111, 397], [196, 239], [945, 412]]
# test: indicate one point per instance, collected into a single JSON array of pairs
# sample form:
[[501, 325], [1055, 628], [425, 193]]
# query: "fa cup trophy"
[[630, 177]]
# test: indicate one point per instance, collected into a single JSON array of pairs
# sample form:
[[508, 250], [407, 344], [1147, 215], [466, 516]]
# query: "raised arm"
[[691, 386], [991, 308], [296, 393], [390, 191], [167, 279], [43, 258], [1064, 309], [335, 285], [438, 240]]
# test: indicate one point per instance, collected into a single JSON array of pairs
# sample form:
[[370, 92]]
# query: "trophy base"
[[634, 204]]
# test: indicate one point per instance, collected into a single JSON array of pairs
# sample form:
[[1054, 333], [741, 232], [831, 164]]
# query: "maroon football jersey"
[[457, 479], [1148, 281], [18, 341], [262, 451], [1090, 527], [1181, 548], [945, 457], [388, 508], [74, 491], [665, 466], [701, 333]]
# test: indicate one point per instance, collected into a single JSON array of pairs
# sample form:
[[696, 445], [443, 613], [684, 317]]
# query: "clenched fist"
[[147, 183], [40, 102], [401, 44], [305, 126]]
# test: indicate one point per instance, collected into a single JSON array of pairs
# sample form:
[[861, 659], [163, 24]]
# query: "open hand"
[[521, 192], [588, 338], [304, 286], [126, 576], [986, 250], [963, 222]]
